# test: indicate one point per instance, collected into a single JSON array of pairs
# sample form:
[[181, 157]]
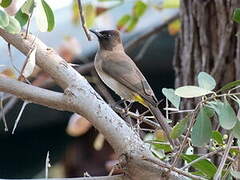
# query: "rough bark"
[[207, 42]]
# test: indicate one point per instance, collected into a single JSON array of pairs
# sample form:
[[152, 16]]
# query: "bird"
[[119, 72]]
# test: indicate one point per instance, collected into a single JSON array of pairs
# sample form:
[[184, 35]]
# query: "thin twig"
[[3, 112], [28, 25], [224, 158], [47, 165], [179, 171], [83, 20], [202, 157], [185, 139], [8, 106]]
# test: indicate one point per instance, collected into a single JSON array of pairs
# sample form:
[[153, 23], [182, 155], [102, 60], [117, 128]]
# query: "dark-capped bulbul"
[[118, 71]]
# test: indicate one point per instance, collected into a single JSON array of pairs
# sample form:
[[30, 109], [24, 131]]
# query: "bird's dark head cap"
[[108, 39]]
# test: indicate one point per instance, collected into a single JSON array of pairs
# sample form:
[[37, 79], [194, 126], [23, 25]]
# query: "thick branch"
[[80, 97], [32, 93]]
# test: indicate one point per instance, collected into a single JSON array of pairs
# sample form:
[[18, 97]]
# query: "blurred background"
[[75, 147]]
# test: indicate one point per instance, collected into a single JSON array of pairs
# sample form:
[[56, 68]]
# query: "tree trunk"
[[207, 42]]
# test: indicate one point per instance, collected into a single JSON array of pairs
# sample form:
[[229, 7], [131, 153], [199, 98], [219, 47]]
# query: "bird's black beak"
[[99, 35]]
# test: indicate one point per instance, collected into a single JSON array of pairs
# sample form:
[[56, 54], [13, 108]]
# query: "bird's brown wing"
[[124, 70]]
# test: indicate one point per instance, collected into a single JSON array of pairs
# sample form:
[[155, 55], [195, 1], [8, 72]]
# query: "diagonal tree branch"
[[80, 97]]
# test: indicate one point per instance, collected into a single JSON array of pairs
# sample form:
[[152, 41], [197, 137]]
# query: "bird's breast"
[[117, 87]]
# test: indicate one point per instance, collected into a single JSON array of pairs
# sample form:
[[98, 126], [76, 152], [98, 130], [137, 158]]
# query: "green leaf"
[[21, 17], [191, 91], [235, 174], [230, 85], [205, 166], [179, 128], [236, 15], [90, 14], [27, 7], [13, 26], [202, 129], [139, 8], [123, 21], [4, 20], [132, 24], [5, 3], [171, 4], [217, 136], [206, 81], [226, 114], [44, 16], [171, 96], [161, 145], [236, 130]]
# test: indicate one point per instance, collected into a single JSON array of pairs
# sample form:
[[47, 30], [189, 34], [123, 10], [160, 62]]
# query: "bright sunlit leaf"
[[139, 8], [13, 27], [123, 21], [5, 3], [27, 7], [171, 96], [4, 19], [171, 4], [90, 14], [191, 91], [206, 81], [44, 16], [174, 27]]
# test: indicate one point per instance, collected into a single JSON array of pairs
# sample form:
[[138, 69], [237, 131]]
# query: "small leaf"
[[132, 24], [230, 85], [21, 17], [139, 8], [235, 174], [171, 96], [123, 21], [44, 16], [179, 128], [19, 116], [226, 114], [202, 129], [206, 81], [205, 166], [13, 26], [217, 136], [27, 7], [98, 142], [236, 15], [174, 27], [90, 14], [191, 91], [158, 145], [5, 3], [171, 4], [236, 130], [30, 63], [4, 20]]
